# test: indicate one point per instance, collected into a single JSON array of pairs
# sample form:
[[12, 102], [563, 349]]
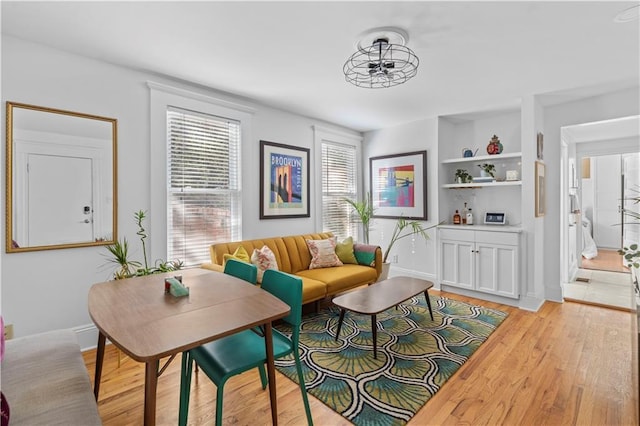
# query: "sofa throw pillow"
[[323, 253], [239, 254], [365, 254], [344, 250], [264, 259]]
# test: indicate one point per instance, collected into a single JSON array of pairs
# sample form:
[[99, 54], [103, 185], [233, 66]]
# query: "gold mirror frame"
[[77, 134]]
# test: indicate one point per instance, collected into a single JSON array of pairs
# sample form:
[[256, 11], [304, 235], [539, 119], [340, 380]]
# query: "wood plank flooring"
[[606, 260], [567, 364]]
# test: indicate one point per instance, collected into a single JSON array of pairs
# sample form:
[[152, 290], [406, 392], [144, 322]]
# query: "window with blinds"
[[203, 194], [339, 181]]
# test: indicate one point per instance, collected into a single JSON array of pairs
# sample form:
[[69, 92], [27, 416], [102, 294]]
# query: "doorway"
[[603, 161], [607, 184]]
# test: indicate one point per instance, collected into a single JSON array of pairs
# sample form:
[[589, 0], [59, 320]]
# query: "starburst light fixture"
[[386, 62]]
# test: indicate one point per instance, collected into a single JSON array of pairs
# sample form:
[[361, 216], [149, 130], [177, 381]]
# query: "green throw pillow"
[[344, 250]]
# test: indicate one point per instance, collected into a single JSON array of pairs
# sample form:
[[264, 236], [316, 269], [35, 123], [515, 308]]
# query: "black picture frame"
[[284, 181], [398, 184]]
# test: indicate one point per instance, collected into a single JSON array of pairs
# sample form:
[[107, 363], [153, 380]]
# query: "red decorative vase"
[[494, 147]]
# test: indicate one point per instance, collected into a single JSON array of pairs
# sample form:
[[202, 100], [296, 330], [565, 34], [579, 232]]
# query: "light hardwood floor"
[[567, 364], [606, 260]]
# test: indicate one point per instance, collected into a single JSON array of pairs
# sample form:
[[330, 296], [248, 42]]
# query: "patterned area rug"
[[416, 356]]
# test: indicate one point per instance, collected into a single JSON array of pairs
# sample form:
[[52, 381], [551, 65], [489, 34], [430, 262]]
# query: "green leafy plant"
[[488, 168], [631, 253], [405, 228], [365, 211], [631, 256], [463, 176], [127, 268]]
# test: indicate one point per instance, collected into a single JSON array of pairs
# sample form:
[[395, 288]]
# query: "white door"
[[606, 204], [631, 189], [66, 183]]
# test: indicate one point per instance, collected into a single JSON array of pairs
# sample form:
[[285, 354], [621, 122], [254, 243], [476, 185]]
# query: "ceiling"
[[289, 55]]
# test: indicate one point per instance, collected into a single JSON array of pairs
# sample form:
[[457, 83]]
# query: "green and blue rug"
[[416, 356]]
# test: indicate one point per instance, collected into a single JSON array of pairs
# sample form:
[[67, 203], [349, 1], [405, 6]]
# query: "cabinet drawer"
[[506, 238], [457, 234]]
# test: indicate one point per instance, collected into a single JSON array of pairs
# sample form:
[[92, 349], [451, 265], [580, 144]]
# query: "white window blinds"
[[339, 181], [203, 194]]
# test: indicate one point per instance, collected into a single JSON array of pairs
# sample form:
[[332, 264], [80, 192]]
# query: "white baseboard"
[[87, 336], [529, 303], [396, 271]]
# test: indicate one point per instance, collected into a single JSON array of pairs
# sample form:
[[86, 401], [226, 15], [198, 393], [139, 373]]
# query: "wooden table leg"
[[99, 360], [340, 323], [426, 296], [271, 373], [374, 330], [150, 389]]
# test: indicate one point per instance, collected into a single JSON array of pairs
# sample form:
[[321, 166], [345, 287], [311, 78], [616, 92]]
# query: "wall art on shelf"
[[284, 181], [540, 189], [539, 145], [399, 185]]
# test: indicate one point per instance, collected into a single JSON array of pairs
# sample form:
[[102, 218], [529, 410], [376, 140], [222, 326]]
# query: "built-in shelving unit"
[[482, 184], [482, 158], [464, 251]]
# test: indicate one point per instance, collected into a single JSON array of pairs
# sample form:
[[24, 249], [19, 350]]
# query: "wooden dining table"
[[147, 324]]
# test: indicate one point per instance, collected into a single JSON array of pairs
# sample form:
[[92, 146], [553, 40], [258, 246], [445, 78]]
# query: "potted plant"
[[131, 268], [632, 252], [365, 211], [462, 176], [404, 228], [487, 169]]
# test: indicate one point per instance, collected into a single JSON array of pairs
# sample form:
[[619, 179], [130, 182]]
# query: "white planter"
[[385, 271]]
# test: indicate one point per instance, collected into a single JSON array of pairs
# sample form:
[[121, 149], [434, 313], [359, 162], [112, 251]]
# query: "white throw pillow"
[[323, 253], [264, 259]]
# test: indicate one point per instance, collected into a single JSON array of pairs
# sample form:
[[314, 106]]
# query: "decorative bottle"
[[456, 218], [469, 217], [464, 214]]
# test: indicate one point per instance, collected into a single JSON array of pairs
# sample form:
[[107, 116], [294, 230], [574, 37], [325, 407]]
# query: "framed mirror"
[[61, 179]]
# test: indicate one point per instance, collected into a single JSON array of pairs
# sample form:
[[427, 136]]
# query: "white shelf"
[[484, 184], [483, 158]]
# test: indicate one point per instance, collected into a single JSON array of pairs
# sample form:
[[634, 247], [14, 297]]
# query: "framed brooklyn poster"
[[399, 185], [284, 181]]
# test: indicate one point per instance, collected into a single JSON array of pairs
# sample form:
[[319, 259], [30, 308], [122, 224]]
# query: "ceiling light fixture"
[[386, 62]]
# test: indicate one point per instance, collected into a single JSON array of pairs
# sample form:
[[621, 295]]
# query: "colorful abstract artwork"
[[398, 185]]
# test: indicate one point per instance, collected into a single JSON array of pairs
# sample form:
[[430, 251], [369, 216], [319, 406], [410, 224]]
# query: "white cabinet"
[[480, 260]]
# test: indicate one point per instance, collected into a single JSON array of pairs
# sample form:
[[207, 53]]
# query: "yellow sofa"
[[292, 256]]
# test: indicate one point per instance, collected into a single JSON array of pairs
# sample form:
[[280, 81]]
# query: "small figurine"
[[494, 147]]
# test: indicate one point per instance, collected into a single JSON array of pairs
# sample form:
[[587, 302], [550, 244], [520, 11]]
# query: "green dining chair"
[[243, 351], [243, 270]]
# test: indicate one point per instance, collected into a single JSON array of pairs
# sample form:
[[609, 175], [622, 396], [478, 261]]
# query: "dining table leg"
[[99, 360], [271, 372], [150, 388]]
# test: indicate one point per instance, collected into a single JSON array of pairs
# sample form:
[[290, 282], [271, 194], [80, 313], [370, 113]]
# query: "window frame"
[[333, 136], [161, 98]]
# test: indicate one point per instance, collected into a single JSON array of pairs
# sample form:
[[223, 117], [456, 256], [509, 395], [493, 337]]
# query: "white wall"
[[415, 257], [598, 108], [45, 290]]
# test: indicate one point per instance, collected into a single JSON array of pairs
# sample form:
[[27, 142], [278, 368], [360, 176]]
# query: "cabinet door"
[[497, 269], [456, 263]]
